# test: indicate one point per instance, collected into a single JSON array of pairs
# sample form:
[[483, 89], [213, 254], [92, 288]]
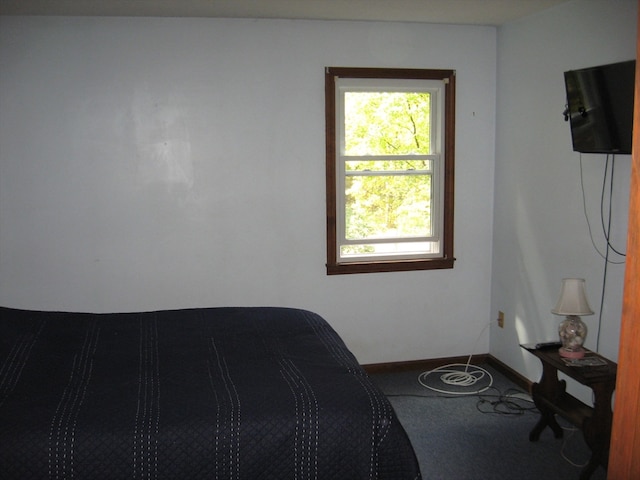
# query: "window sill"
[[389, 266]]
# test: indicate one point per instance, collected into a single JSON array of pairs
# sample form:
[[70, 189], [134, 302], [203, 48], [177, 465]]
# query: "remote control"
[[545, 345]]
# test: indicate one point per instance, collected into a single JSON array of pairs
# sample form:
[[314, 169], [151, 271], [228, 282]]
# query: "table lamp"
[[572, 303]]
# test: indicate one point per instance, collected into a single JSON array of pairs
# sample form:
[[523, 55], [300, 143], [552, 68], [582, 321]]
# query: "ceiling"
[[470, 12]]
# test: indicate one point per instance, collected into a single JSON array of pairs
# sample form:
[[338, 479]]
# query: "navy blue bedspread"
[[219, 393]]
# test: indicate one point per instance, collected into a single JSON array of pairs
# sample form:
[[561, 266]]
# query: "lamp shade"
[[573, 299]]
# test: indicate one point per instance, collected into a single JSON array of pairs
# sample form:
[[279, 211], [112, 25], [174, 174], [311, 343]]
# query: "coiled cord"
[[452, 375]]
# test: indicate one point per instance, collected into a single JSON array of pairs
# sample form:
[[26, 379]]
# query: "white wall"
[[153, 163], [541, 234]]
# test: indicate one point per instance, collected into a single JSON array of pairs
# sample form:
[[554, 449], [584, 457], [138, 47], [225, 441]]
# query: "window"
[[390, 177]]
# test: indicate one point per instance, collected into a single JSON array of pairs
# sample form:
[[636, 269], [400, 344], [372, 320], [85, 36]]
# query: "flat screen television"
[[600, 107]]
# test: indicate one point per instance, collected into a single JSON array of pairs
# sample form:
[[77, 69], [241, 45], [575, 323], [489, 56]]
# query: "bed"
[[215, 393]]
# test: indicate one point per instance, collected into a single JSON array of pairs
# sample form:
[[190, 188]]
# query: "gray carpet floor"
[[481, 436]]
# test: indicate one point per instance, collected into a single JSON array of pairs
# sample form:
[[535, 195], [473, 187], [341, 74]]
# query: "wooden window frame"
[[446, 260]]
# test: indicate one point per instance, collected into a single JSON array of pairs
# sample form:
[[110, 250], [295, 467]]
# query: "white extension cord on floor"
[[452, 375]]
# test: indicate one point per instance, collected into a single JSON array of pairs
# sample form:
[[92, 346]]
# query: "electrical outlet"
[[501, 319]]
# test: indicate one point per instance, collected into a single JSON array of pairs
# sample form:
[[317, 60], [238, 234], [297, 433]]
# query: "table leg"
[[597, 429], [550, 388], [547, 419]]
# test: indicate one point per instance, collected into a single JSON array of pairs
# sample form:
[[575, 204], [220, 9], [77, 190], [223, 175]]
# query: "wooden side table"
[[551, 398]]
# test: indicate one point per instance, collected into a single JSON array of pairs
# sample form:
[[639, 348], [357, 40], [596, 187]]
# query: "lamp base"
[[572, 333], [578, 353]]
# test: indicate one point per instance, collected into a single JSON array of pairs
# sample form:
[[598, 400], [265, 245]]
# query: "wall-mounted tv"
[[600, 107]]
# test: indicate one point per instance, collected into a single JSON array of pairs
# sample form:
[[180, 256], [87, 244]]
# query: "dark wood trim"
[[520, 380], [430, 364], [410, 73], [447, 259], [425, 364], [389, 266], [449, 167], [624, 461], [330, 147]]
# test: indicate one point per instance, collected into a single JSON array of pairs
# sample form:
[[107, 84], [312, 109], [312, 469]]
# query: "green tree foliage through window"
[[388, 205], [387, 123]]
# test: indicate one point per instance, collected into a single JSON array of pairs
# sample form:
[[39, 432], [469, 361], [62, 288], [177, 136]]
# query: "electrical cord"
[[458, 378], [507, 403], [511, 402], [602, 296], [586, 215], [565, 440], [606, 230], [452, 375]]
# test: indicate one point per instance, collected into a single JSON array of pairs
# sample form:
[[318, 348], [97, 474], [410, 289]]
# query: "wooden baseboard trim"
[[430, 364], [426, 364], [517, 378]]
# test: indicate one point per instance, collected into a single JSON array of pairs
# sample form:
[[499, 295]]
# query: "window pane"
[[387, 165], [387, 123], [388, 206], [389, 249]]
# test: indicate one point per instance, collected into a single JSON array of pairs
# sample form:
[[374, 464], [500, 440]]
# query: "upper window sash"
[[433, 87]]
